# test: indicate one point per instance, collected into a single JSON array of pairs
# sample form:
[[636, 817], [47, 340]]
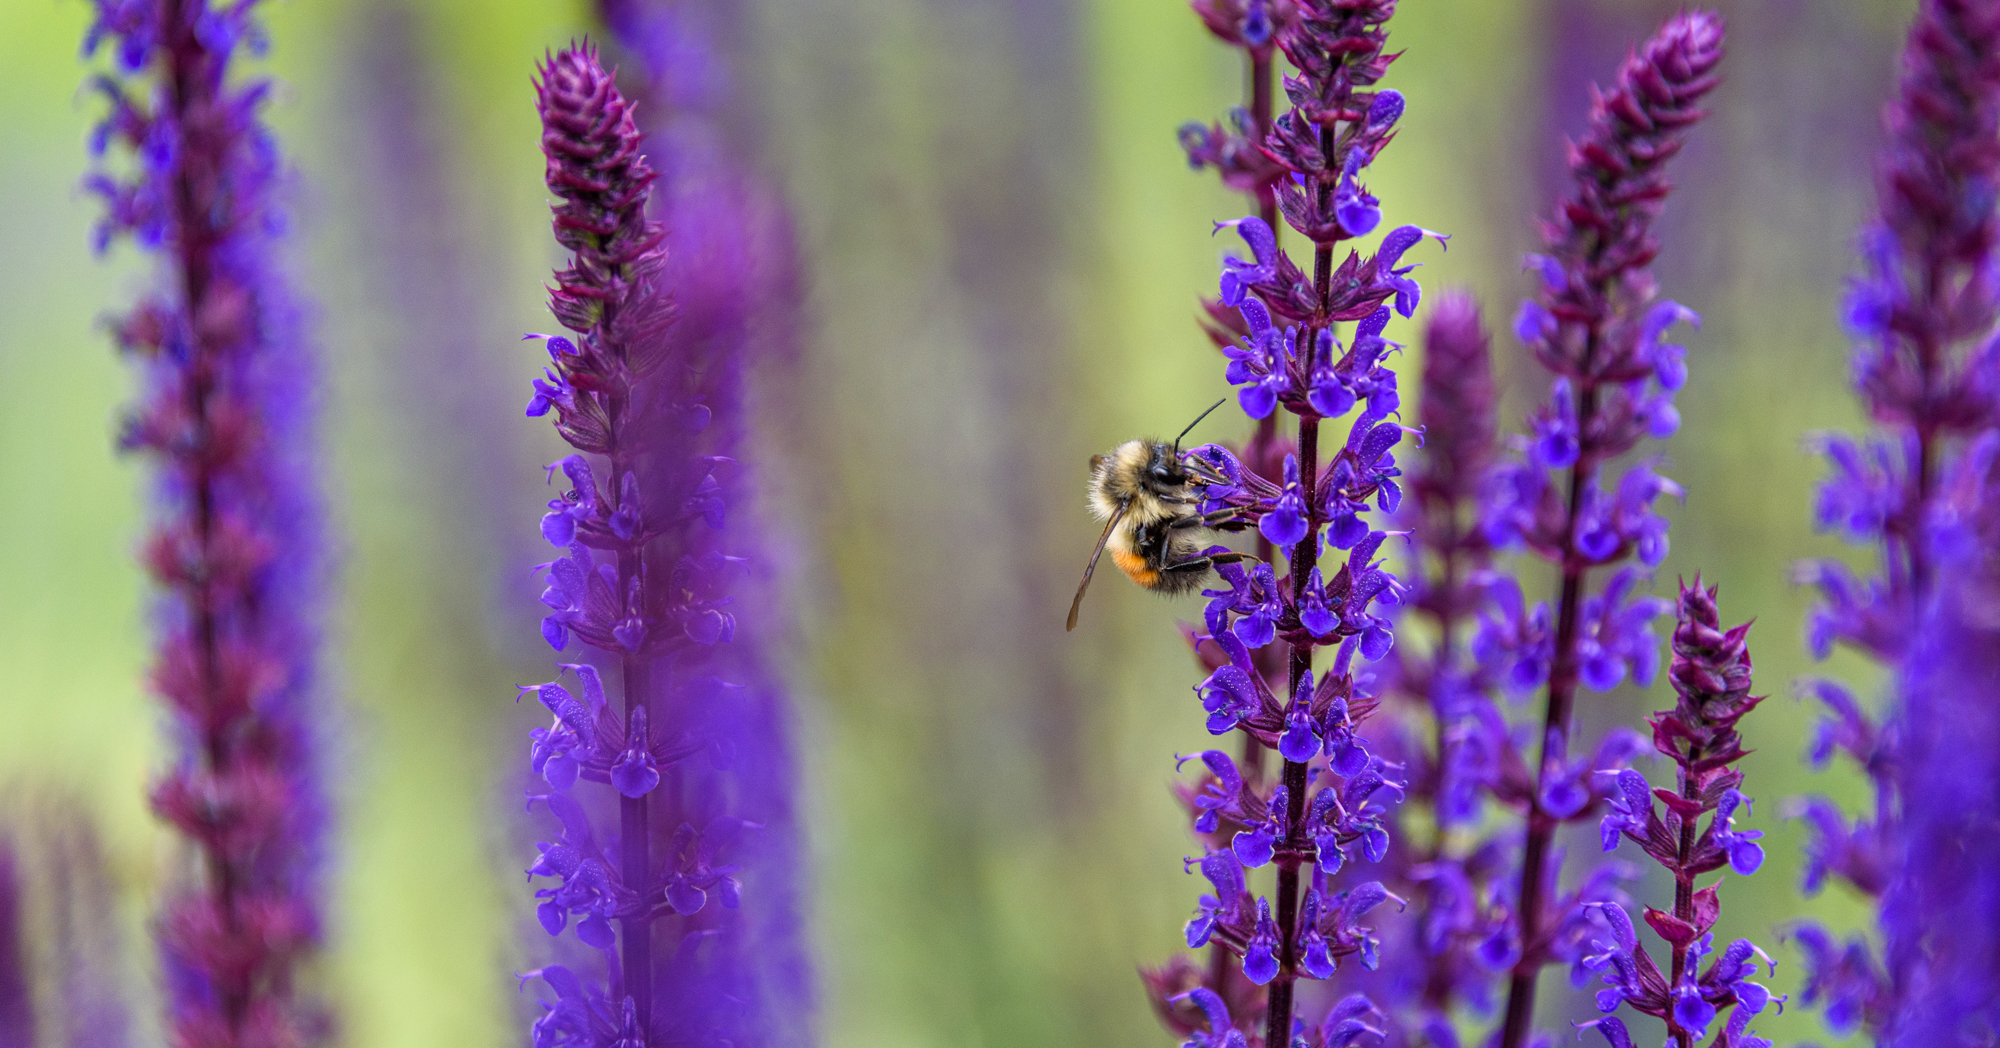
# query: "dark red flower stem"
[[1437, 989], [188, 97], [1930, 369], [1683, 895], [1261, 92], [1561, 699], [634, 822], [1278, 1020]]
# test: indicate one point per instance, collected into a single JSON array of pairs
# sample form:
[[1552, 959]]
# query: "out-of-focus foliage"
[[1003, 251]]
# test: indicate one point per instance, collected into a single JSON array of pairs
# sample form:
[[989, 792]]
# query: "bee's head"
[[1163, 469]]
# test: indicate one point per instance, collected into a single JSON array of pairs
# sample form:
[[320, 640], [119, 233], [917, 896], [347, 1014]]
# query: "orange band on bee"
[[1135, 568]]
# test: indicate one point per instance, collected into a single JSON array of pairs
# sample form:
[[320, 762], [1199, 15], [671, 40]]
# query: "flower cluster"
[[1330, 804], [226, 418], [1921, 314], [1444, 949], [1595, 326], [657, 575], [1711, 676]]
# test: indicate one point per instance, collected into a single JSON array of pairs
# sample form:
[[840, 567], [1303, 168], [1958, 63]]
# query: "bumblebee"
[[1152, 520]]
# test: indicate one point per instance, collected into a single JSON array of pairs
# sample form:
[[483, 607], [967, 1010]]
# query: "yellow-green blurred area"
[[1004, 248]]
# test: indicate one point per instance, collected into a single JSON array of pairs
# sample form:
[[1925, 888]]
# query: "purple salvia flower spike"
[[1275, 324], [609, 296], [656, 392], [1711, 676], [1594, 325], [226, 418], [1918, 492]]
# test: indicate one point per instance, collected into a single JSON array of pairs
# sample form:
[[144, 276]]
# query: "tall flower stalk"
[[1925, 364], [1711, 676], [1595, 326], [694, 741], [1290, 357], [226, 419]]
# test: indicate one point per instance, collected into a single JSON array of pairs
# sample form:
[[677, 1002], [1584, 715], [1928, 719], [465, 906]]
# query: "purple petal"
[[559, 528], [1253, 848], [685, 898], [594, 930], [1260, 965], [1258, 401], [553, 917], [1386, 109]]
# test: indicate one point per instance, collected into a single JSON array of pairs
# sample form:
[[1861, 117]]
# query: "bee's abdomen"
[[1138, 570]]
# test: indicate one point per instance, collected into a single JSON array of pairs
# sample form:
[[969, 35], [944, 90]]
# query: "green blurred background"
[[1003, 249]]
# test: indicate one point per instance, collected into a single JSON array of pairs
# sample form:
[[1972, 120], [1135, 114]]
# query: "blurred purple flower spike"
[[697, 910], [227, 417], [1920, 492], [62, 954]]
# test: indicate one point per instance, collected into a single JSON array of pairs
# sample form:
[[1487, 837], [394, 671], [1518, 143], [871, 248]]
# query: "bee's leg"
[[1196, 465], [1206, 560], [1191, 571], [1207, 520]]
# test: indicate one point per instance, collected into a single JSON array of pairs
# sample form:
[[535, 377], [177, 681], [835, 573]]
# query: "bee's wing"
[[1077, 604]]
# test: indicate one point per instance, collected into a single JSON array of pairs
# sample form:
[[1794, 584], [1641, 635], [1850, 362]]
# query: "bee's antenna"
[[1197, 422]]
